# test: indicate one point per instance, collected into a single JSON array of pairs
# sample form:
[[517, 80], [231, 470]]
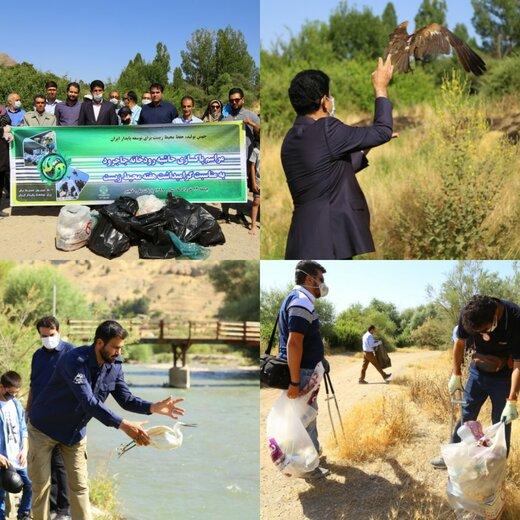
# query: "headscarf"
[[208, 115]]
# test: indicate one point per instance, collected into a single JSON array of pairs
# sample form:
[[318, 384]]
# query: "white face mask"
[[17, 104], [97, 97], [114, 100], [51, 342], [145, 101], [332, 112], [486, 335], [322, 287]]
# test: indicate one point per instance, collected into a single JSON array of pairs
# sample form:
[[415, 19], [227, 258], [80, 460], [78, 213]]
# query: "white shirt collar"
[[311, 296]]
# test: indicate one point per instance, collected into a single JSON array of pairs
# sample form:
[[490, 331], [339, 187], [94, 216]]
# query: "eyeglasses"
[[215, 106], [235, 100], [126, 99]]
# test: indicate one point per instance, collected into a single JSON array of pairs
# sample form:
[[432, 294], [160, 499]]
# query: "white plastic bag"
[[73, 228], [291, 447], [476, 475], [148, 204]]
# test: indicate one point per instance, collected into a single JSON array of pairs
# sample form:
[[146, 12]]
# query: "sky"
[[73, 39], [402, 282], [277, 22]]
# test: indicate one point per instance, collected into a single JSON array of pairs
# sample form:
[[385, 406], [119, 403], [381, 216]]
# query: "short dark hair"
[[371, 328], [97, 83], [124, 111], [108, 330], [236, 90], [479, 311], [306, 90], [190, 98], [39, 96], [49, 322], [132, 95], [73, 84], [307, 267], [11, 378], [50, 84], [157, 86]]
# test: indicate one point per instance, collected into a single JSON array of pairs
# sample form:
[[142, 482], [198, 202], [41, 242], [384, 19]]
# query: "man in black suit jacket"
[[98, 111]]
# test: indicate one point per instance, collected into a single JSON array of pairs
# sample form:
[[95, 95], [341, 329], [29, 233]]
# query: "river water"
[[213, 475]]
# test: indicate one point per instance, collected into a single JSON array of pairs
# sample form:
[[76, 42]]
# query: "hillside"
[[6, 60], [179, 290]]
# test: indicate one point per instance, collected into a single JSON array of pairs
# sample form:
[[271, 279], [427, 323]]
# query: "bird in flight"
[[430, 40]]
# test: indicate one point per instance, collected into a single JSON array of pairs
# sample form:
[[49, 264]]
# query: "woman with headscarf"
[[320, 157], [213, 112]]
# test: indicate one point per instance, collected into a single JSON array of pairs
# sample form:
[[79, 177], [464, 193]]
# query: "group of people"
[[68, 386], [488, 330], [154, 110]]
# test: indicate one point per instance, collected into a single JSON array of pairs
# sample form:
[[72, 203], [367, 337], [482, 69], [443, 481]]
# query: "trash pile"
[[477, 469], [160, 230], [291, 448]]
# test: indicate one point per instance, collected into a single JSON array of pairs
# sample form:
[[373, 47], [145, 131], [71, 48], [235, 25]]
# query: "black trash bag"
[[159, 246], [192, 223], [146, 227], [105, 240], [120, 212]]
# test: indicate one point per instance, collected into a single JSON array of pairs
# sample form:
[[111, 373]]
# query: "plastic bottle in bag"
[[73, 228]]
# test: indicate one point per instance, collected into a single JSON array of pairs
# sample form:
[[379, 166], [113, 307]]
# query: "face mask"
[[51, 342], [146, 101], [486, 335], [97, 97], [332, 112], [8, 396], [17, 104], [114, 101], [322, 287]]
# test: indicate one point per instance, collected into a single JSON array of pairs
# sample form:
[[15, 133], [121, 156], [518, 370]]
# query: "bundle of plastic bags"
[[291, 448], [477, 469], [73, 228]]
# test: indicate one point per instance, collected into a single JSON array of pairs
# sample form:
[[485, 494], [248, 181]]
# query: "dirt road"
[[355, 491]]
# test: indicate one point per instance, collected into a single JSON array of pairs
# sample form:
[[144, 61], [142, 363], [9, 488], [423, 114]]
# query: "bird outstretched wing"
[[398, 47]]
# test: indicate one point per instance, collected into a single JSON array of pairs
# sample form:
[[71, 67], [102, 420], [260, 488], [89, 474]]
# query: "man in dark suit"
[[321, 156], [98, 111]]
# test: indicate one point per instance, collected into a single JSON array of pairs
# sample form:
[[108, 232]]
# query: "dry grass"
[[374, 426]]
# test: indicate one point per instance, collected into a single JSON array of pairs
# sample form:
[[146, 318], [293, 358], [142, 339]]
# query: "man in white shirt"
[[369, 347], [51, 89], [187, 106]]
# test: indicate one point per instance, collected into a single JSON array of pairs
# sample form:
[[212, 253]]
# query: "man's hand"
[[168, 407], [4, 463], [395, 135], [381, 76], [510, 412], [135, 431], [454, 384], [293, 392], [22, 459]]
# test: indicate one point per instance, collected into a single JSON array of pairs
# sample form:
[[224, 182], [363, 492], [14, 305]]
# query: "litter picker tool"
[[329, 390], [457, 401]]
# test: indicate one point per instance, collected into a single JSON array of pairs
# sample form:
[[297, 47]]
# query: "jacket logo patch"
[[80, 379]]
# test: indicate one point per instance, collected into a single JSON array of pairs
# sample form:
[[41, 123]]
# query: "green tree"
[[461, 31], [240, 281], [498, 24], [431, 11], [178, 79], [466, 279], [356, 33], [159, 68], [131, 308], [29, 283], [198, 60], [389, 17]]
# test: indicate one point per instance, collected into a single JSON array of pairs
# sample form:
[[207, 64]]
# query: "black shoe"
[[363, 382], [317, 474]]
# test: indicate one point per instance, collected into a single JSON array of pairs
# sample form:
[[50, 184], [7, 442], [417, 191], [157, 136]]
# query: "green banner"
[[95, 165]]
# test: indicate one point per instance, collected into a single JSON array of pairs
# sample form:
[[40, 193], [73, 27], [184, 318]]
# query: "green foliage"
[[103, 495], [138, 353], [498, 24], [239, 280], [29, 283], [389, 18], [503, 77], [431, 334], [356, 33], [451, 222], [131, 308], [431, 11]]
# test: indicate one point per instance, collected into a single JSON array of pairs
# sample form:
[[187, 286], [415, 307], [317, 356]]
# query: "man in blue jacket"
[[13, 441], [81, 382], [42, 367]]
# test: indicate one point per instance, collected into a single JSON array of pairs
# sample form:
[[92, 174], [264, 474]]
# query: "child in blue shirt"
[[13, 441]]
